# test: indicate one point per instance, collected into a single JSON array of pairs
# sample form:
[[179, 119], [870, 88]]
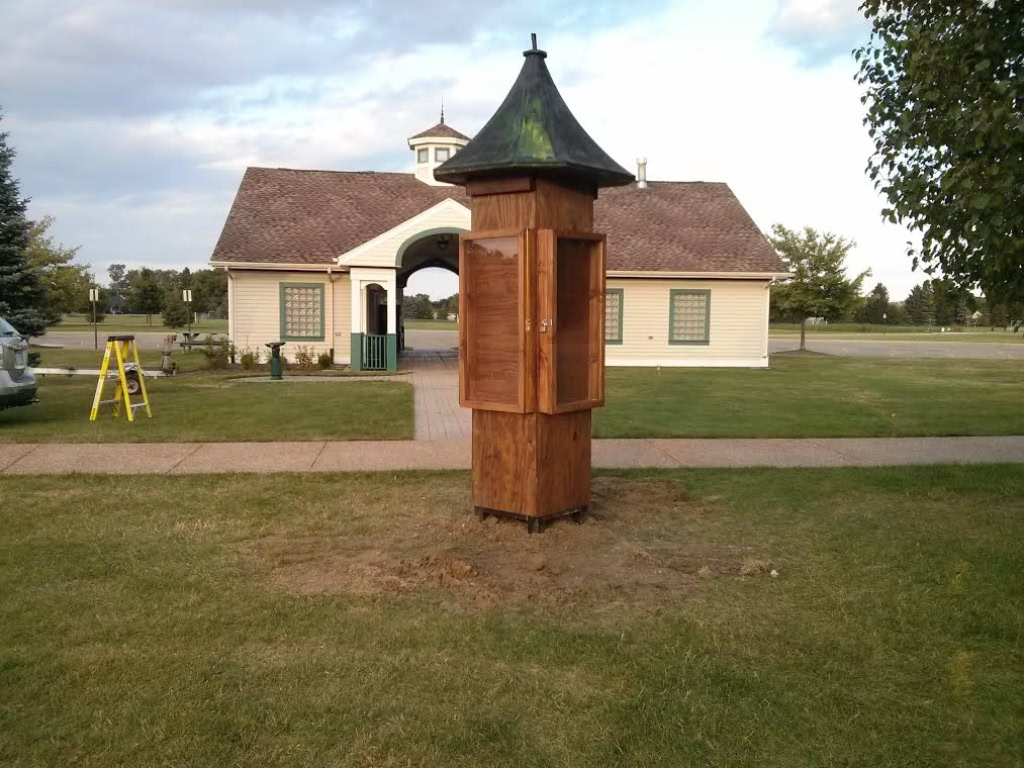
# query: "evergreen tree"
[[22, 293], [146, 294], [920, 305], [875, 309], [175, 310]]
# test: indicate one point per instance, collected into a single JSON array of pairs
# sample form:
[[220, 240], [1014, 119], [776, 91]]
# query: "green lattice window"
[[689, 316], [302, 312]]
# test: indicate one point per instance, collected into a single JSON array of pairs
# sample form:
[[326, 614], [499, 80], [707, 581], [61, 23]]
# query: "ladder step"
[[107, 402]]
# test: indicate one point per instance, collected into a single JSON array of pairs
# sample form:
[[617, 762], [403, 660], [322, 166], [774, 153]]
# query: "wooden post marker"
[[531, 296]]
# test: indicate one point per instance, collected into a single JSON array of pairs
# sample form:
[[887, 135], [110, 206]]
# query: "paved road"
[[84, 339], [203, 458], [420, 340], [962, 350]]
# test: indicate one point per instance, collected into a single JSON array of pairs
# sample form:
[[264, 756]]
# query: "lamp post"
[[94, 295], [186, 296]]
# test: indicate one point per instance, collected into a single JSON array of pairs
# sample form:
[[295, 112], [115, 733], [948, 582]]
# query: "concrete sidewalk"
[[201, 458]]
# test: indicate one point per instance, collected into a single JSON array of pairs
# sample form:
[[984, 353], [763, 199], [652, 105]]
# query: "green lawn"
[[211, 407], [283, 621], [137, 323], [816, 396]]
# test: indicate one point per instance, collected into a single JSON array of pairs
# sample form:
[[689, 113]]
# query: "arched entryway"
[[427, 331]]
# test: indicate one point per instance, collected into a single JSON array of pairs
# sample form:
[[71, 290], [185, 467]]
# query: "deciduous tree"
[[819, 286], [66, 282], [945, 98]]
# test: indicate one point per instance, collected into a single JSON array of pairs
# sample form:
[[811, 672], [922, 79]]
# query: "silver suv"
[[17, 384]]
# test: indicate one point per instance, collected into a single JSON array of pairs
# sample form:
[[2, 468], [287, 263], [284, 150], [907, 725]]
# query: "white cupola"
[[432, 147]]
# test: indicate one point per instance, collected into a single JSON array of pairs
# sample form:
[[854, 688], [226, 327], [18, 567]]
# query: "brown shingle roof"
[[311, 217], [441, 130], [679, 226]]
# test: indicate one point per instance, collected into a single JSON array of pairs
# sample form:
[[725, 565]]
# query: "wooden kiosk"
[[531, 301]]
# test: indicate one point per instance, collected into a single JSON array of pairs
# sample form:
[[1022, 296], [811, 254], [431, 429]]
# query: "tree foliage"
[[67, 284], [919, 306], [819, 286], [146, 294], [876, 307], [945, 97], [175, 311], [22, 293]]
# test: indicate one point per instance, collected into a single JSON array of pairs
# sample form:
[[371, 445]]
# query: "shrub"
[[218, 353], [324, 361], [304, 358], [250, 359]]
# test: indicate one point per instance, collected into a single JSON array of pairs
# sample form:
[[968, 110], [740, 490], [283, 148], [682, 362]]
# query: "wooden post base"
[[533, 524], [531, 466]]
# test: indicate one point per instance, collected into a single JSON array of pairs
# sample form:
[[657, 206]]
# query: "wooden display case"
[[531, 332]]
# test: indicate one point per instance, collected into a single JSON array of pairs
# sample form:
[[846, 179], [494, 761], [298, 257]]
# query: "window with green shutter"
[[302, 312], [689, 316], [613, 316]]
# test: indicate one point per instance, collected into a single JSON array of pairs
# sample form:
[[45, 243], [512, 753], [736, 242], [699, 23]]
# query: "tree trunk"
[[803, 334]]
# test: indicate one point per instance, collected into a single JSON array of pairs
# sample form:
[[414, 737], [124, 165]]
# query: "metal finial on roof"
[[533, 49], [442, 110]]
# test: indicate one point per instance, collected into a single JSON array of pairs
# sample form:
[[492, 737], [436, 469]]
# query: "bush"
[[304, 358], [218, 353], [250, 359], [324, 361]]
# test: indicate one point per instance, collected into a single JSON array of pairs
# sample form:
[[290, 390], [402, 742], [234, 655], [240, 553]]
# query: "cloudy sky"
[[135, 119]]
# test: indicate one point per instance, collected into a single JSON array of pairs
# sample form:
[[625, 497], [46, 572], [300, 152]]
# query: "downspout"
[[767, 314], [231, 305]]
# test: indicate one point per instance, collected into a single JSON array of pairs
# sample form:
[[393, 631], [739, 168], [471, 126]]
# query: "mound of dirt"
[[636, 546]]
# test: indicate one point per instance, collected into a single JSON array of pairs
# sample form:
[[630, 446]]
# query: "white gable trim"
[[381, 250]]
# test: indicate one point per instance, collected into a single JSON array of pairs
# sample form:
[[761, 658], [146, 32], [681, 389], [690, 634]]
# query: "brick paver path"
[[435, 382]]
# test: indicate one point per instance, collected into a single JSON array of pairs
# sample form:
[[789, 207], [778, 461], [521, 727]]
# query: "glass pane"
[[302, 315], [612, 313], [689, 316], [491, 283], [423, 155], [573, 336], [440, 155]]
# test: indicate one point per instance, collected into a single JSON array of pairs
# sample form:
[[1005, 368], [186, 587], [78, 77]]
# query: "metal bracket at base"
[[533, 524]]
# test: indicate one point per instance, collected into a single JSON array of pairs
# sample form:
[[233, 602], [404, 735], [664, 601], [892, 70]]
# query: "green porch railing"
[[375, 352]]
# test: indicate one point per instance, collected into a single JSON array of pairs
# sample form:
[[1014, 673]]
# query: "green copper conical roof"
[[533, 131]]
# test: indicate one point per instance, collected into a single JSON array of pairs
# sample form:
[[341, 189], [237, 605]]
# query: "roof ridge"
[[325, 170]]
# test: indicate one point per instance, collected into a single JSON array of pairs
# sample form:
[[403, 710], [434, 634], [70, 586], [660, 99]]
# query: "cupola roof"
[[533, 131]]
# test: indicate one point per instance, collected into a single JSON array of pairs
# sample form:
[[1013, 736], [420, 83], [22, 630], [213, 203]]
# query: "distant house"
[[321, 258]]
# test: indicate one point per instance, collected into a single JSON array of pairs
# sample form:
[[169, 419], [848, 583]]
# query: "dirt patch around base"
[[642, 541]]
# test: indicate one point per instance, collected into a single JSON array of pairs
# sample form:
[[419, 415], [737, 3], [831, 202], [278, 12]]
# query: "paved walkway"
[[435, 382], [203, 458]]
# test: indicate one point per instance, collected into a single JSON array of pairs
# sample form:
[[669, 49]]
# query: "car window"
[[6, 329]]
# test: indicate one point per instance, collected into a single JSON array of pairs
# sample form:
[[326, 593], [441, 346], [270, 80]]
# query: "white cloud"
[[699, 89], [819, 29]]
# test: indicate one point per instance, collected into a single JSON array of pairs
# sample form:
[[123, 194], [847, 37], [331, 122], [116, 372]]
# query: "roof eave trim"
[[735, 275], [275, 265]]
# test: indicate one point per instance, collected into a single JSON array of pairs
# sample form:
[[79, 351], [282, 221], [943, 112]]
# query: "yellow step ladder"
[[121, 346]]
